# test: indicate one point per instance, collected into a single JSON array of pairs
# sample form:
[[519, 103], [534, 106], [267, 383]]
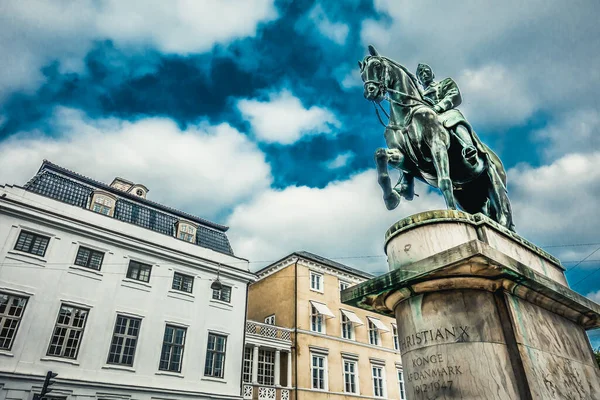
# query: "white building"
[[113, 292]]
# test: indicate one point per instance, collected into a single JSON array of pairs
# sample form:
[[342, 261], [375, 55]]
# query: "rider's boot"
[[469, 152]]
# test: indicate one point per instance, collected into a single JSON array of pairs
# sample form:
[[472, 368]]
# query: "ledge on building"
[[60, 360], [213, 379], [220, 304], [176, 294], [167, 373], [86, 272], [6, 353], [26, 257], [119, 368], [133, 284]]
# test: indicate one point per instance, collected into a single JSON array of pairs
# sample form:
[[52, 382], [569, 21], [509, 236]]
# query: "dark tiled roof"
[[325, 261], [72, 188]]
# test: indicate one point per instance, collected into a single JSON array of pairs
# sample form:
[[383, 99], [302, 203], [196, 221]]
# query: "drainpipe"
[[244, 343], [296, 327]]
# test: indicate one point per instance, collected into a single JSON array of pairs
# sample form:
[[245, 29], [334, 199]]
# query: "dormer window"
[[121, 184], [138, 190], [186, 231], [103, 203]]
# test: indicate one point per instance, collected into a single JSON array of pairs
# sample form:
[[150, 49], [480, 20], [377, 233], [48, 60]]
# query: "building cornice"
[[311, 264]]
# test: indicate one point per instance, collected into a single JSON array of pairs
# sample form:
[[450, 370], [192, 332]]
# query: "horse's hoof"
[[392, 201]]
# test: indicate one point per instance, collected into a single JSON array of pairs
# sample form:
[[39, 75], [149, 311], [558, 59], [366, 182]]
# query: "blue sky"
[[252, 114]]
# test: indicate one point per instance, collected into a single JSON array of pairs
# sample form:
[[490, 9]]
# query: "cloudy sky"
[[251, 113]]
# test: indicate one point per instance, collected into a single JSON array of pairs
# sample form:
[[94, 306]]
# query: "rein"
[[385, 90]]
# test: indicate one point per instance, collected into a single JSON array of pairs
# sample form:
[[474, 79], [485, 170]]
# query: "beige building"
[[335, 351]]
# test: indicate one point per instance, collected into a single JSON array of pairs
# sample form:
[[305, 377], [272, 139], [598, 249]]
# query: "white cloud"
[[34, 33], [578, 131], [203, 169], [283, 119], [558, 203], [341, 160], [594, 296], [493, 96], [182, 26], [336, 31], [348, 76], [345, 218]]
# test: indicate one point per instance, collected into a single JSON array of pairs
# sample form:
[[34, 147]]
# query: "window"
[[32, 243], [316, 320], [247, 366], [139, 271], [186, 232], [319, 372], [401, 385], [182, 282], [347, 327], [124, 341], [373, 334], [68, 332], [378, 381], [350, 378], [215, 356], [171, 356], [224, 294], [316, 281], [11, 312], [266, 367], [103, 205], [89, 258], [395, 337], [344, 285], [270, 320]]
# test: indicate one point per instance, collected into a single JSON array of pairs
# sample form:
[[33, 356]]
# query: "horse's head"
[[374, 72]]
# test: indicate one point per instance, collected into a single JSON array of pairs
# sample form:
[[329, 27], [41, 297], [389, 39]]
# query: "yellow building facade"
[[337, 352]]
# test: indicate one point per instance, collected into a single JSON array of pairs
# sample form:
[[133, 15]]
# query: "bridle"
[[383, 88]]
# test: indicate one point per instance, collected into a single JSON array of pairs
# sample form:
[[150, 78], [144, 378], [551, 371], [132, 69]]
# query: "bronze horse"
[[420, 146]]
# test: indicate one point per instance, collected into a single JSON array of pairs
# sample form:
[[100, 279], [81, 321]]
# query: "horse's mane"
[[412, 77]]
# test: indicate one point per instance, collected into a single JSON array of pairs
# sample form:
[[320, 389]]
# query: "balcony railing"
[[260, 392], [269, 331]]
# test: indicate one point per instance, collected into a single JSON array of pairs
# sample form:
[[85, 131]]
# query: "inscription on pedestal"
[[431, 373], [453, 333]]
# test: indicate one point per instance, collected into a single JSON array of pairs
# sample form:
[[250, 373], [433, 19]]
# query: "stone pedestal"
[[482, 313]]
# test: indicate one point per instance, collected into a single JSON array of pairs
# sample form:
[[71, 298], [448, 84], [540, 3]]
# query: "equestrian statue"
[[429, 139]]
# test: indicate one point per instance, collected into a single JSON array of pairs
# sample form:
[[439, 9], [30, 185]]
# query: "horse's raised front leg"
[[390, 197]]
